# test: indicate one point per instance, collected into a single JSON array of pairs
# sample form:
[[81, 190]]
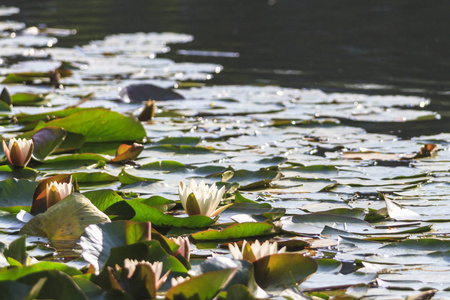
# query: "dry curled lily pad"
[[64, 222]]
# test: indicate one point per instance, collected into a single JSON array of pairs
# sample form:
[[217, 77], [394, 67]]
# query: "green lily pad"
[[205, 286], [14, 290], [46, 140], [93, 177], [6, 172], [147, 213], [315, 223], [178, 141], [58, 285], [16, 194], [17, 272], [254, 179], [103, 199], [98, 239], [285, 269], [236, 231], [244, 275], [101, 125]]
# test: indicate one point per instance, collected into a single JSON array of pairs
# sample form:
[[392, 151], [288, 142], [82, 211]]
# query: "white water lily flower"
[[18, 151], [254, 251], [201, 199], [156, 268], [57, 191]]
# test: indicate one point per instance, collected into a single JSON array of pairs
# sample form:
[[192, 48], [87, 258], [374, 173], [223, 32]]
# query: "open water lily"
[[254, 251], [57, 191], [18, 151], [185, 246], [201, 199]]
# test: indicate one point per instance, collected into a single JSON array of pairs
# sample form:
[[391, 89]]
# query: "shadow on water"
[[376, 47]]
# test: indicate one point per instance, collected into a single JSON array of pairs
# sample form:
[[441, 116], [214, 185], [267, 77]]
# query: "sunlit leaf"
[[235, 231], [98, 239], [64, 222], [101, 125]]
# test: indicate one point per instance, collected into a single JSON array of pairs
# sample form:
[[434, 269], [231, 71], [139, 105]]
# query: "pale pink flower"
[[201, 199], [19, 151], [185, 246], [56, 191]]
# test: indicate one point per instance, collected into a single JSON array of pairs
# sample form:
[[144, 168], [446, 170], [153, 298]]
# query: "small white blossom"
[[201, 199], [254, 251]]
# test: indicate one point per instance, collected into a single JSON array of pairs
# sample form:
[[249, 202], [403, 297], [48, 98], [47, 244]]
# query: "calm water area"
[[372, 47]]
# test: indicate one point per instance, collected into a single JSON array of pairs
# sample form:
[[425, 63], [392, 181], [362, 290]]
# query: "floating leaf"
[[46, 140], [244, 274], [7, 171], [145, 92], [205, 286], [285, 269], [156, 217], [16, 194], [236, 231], [398, 212], [57, 285], [13, 290], [127, 152], [101, 125], [64, 222], [103, 199], [98, 239]]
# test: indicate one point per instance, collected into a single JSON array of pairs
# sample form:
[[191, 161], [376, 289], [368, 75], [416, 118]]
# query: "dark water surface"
[[374, 47]]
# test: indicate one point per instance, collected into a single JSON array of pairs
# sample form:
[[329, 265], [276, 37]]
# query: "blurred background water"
[[372, 47]]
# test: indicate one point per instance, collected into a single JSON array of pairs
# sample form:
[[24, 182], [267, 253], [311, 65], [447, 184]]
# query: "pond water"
[[317, 108], [380, 47]]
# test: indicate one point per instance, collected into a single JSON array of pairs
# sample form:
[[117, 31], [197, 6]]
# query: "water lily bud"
[[201, 199], [185, 246], [56, 191], [19, 152]]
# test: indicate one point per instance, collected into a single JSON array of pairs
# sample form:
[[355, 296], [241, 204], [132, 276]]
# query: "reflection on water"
[[381, 47]]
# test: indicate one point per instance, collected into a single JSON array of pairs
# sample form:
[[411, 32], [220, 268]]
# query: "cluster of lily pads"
[[126, 176]]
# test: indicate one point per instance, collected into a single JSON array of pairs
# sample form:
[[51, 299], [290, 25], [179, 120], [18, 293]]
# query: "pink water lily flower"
[[19, 151], [254, 251], [56, 191], [201, 199], [185, 246]]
